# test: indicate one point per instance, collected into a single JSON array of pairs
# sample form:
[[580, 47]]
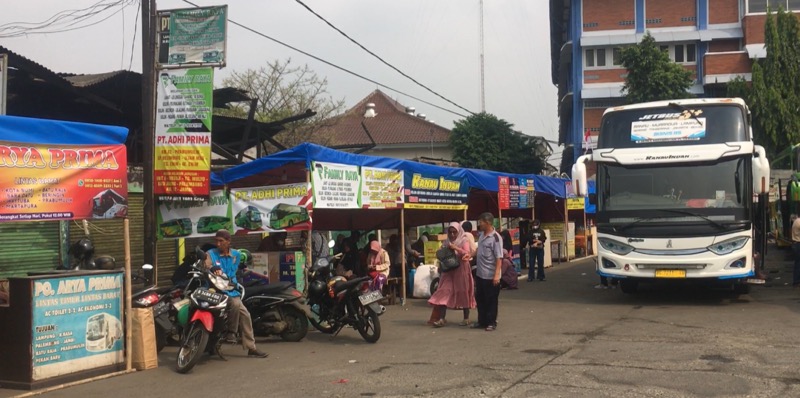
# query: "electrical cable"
[[133, 41], [335, 66], [75, 21], [379, 58]]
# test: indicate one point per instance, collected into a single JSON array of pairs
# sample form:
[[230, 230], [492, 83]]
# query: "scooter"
[[277, 309], [162, 301]]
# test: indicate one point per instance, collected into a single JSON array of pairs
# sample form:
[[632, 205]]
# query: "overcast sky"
[[437, 42]]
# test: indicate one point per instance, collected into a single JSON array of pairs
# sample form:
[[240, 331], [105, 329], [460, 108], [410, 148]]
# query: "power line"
[[133, 41], [335, 66], [379, 58], [17, 30]]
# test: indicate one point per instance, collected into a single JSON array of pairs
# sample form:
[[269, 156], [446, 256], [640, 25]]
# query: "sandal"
[[465, 322], [439, 323]]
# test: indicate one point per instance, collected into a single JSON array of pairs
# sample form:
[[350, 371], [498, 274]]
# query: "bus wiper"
[[685, 109], [689, 213], [632, 223]]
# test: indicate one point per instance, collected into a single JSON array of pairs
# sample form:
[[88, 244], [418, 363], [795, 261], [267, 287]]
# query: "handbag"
[[447, 259]]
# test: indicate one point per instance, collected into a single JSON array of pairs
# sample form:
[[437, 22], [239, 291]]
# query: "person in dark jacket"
[[536, 241]]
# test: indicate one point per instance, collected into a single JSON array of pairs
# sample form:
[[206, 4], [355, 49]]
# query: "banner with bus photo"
[[271, 208], [180, 219]]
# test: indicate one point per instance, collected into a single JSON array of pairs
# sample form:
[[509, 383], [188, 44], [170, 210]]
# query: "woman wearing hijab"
[[508, 279], [456, 288], [378, 260]]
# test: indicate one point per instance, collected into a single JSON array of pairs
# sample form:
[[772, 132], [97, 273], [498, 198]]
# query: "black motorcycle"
[[162, 301], [277, 309], [337, 302]]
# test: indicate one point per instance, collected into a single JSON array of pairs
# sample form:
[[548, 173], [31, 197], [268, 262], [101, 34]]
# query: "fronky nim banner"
[[183, 134]]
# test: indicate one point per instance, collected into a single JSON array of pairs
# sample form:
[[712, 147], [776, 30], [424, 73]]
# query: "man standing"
[[224, 260], [536, 248], [490, 267]]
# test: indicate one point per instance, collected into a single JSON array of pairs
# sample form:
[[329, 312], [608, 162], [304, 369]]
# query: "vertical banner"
[[196, 219], [183, 134], [291, 268], [45, 180], [513, 192], [425, 191], [197, 35], [77, 324], [503, 194], [271, 209], [336, 186], [381, 188]]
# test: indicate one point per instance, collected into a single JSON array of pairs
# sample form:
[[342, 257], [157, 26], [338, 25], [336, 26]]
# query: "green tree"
[[652, 76], [775, 95], [284, 90], [483, 141]]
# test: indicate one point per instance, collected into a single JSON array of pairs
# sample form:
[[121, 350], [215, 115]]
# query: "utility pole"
[[483, 93], [148, 126]]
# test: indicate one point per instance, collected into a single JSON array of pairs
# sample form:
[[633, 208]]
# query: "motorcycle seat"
[[339, 287], [272, 288]]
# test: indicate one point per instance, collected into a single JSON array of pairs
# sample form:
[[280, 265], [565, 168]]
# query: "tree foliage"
[[284, 90], [652, 76], [483, 141], [775, 95]]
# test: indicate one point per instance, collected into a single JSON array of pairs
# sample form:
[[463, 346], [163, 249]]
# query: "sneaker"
[[601, 287], [255, 353], [491, 328], [439, 323], [465, 322], [476, 325]]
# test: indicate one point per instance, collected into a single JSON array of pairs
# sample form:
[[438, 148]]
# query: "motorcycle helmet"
[[82, 249], [246, 258], [105, 262], [317, 289]]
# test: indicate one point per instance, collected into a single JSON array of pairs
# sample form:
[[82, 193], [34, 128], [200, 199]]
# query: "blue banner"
[[77, 323]]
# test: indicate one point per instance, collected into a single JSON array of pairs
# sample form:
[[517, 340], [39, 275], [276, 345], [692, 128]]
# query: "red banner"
[[62, 182]]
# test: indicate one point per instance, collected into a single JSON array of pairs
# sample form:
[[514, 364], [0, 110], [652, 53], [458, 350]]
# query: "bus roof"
[[684, 102]]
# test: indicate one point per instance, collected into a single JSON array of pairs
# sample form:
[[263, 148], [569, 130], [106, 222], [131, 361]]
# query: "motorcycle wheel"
[[318, 322], [193, 346], [368, 324], [296, 324]]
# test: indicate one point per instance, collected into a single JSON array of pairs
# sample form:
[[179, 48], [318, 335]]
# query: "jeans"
[[537, 260], [796, 274], [487, 296]]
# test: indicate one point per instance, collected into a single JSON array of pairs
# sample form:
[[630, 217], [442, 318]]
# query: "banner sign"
[[514, 193], [291, 267], [62, 182], [183, 134], [180, 219], [336, 186], [197, 35], [77, 324], [381, 188], [575, 203], [435, 192], [271, 209], [645, 131]]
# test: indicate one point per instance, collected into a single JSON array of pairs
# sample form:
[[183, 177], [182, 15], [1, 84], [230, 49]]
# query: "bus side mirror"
[[761, 171], [579, 183]]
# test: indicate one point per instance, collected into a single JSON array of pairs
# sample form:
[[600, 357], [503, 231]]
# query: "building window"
[[589, 58], [601, 56], [616, 56], [681, 53], [761, 5]]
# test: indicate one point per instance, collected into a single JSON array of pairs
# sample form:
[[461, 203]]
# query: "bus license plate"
[[670, 273], [370, 297]]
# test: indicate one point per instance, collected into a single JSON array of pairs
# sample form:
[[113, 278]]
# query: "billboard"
[[192, 36], [180, 219], [428, 191], [336, 186], [381, 188], [271, 208], [183, 134]]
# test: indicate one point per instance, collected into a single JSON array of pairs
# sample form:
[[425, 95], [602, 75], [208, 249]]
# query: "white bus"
[[674, 192]]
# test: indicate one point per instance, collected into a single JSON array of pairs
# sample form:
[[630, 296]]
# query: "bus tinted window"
[[669, 126]]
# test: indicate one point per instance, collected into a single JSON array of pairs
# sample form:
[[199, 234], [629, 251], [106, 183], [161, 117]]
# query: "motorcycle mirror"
[[331, 243], [147, 267], [147, 270], [201, 255]]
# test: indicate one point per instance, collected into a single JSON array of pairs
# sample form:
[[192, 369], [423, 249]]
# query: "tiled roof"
[[392, 125]]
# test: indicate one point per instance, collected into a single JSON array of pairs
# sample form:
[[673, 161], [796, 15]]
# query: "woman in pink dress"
[[456, 288]]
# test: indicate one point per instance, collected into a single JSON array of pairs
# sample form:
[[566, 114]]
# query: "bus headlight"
[[615, 247], [728, 246]]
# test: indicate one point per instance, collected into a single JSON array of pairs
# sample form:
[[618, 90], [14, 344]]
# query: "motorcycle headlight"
[[728, 246], [615, 247], [220, 282]]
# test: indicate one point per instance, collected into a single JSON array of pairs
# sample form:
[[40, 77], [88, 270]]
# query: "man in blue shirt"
[[224, 260]]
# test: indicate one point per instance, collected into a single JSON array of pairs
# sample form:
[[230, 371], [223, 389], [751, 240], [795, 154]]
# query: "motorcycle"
[[337, 302], [277, 309], [162, 301], [207, 315]]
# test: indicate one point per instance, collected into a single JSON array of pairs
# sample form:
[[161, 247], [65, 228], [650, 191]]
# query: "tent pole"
[[566, 229], [128, 326], [308, 240], [403, 252]]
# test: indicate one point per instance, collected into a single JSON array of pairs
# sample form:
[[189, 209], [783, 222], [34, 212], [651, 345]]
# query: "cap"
[[223, 233]]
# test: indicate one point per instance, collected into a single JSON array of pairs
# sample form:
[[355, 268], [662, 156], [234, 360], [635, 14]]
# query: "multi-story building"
[[715, 39]]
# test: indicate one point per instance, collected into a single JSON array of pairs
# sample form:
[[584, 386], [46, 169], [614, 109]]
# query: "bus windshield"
[[719, 191]]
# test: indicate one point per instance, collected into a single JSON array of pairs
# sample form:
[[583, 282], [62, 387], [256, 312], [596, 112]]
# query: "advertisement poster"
[[183, 134], [575, 203], [49, 181], [77, 324], [197, 35], [271, 208], [381, 188], [646, 131], [336, 186], [435, 192], [503, 193], [515, 193], [515, 247], [291, 268], [194, 219], [430, 249]]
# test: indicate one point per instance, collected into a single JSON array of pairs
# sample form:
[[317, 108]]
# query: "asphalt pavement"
[[559, 338]]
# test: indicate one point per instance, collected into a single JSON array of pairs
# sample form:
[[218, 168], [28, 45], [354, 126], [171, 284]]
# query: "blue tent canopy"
[[58, 132], [307, 152], [590, 208]]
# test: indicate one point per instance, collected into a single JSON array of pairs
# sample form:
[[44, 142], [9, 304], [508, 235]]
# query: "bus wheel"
[[628, 286]]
